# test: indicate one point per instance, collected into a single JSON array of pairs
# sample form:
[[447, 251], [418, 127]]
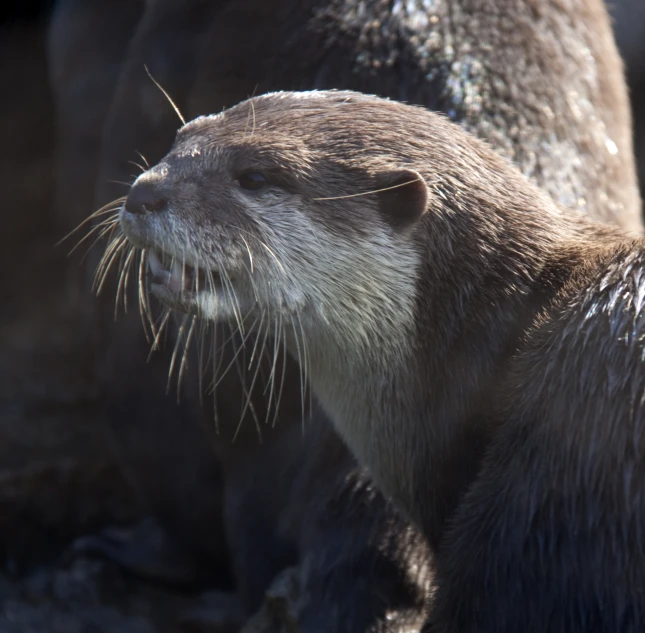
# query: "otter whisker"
[[237, 352], [165, 94], [183, 261], [253, 285], [304, 369], [155, 344], [216, 364], [217, 355], [202, 366], [251, 110], [284, 372], [300, 364], [266, 247], [271, 379], [198, 266], [114, 242], [144, 305], [200, 342], [282, 268], [263, 244], [257, 339], [107, 208], [173, 359], [232, 335], [122, 182], [184, 358], [101, 226], [123, 283], [228, 286], [367, 193], [143, 158], [248, 250], [259, 364], [111, 261], [108, 231], [249, 404], [130, 265], [138, 166], [121, 269], [264, 353], [109, 249], [140, 295]]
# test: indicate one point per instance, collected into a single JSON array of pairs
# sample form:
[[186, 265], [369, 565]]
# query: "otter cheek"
[[402, 198]]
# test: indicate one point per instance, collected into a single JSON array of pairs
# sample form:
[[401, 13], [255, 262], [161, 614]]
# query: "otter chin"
[[478, 349]]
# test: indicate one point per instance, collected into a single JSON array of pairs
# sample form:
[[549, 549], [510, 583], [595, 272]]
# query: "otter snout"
[[146, 196], [144, 216]]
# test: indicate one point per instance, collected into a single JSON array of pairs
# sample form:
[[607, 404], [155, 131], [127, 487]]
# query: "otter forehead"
[[315, 133], [342, 124]]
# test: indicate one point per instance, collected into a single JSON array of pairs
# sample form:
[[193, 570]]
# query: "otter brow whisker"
[[138, 166], [165, 94], [251, 110], [143, 158]]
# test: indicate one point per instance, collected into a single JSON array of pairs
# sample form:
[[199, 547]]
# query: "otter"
[[480, 350], [453, 56]]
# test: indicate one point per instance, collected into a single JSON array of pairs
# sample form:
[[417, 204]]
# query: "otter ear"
[[403, 198]]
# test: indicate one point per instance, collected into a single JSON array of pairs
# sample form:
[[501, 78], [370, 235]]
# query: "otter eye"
[[252, 180]]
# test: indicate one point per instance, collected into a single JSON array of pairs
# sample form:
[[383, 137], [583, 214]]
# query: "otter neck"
[[421, 417]]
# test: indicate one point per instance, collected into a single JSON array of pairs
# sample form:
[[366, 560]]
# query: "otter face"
[[271, 210]]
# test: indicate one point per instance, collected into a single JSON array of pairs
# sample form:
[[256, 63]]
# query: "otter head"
[[289, 204]]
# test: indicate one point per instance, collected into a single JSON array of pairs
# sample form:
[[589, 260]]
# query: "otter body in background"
[[498, 68], [479, 349], [628, 17]]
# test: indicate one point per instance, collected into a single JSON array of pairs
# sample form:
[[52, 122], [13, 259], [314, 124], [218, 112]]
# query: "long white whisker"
[[173, 360]]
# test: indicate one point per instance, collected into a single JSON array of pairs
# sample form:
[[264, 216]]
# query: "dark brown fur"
[[507, 416]]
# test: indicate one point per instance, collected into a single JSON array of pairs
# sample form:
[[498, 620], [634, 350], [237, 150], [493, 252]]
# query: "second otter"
[[477, 348]]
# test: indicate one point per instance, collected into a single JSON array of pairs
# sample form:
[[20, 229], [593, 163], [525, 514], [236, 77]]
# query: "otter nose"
[[145, 197]]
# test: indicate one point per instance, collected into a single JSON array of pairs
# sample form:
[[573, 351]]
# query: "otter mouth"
[[170, 278]]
